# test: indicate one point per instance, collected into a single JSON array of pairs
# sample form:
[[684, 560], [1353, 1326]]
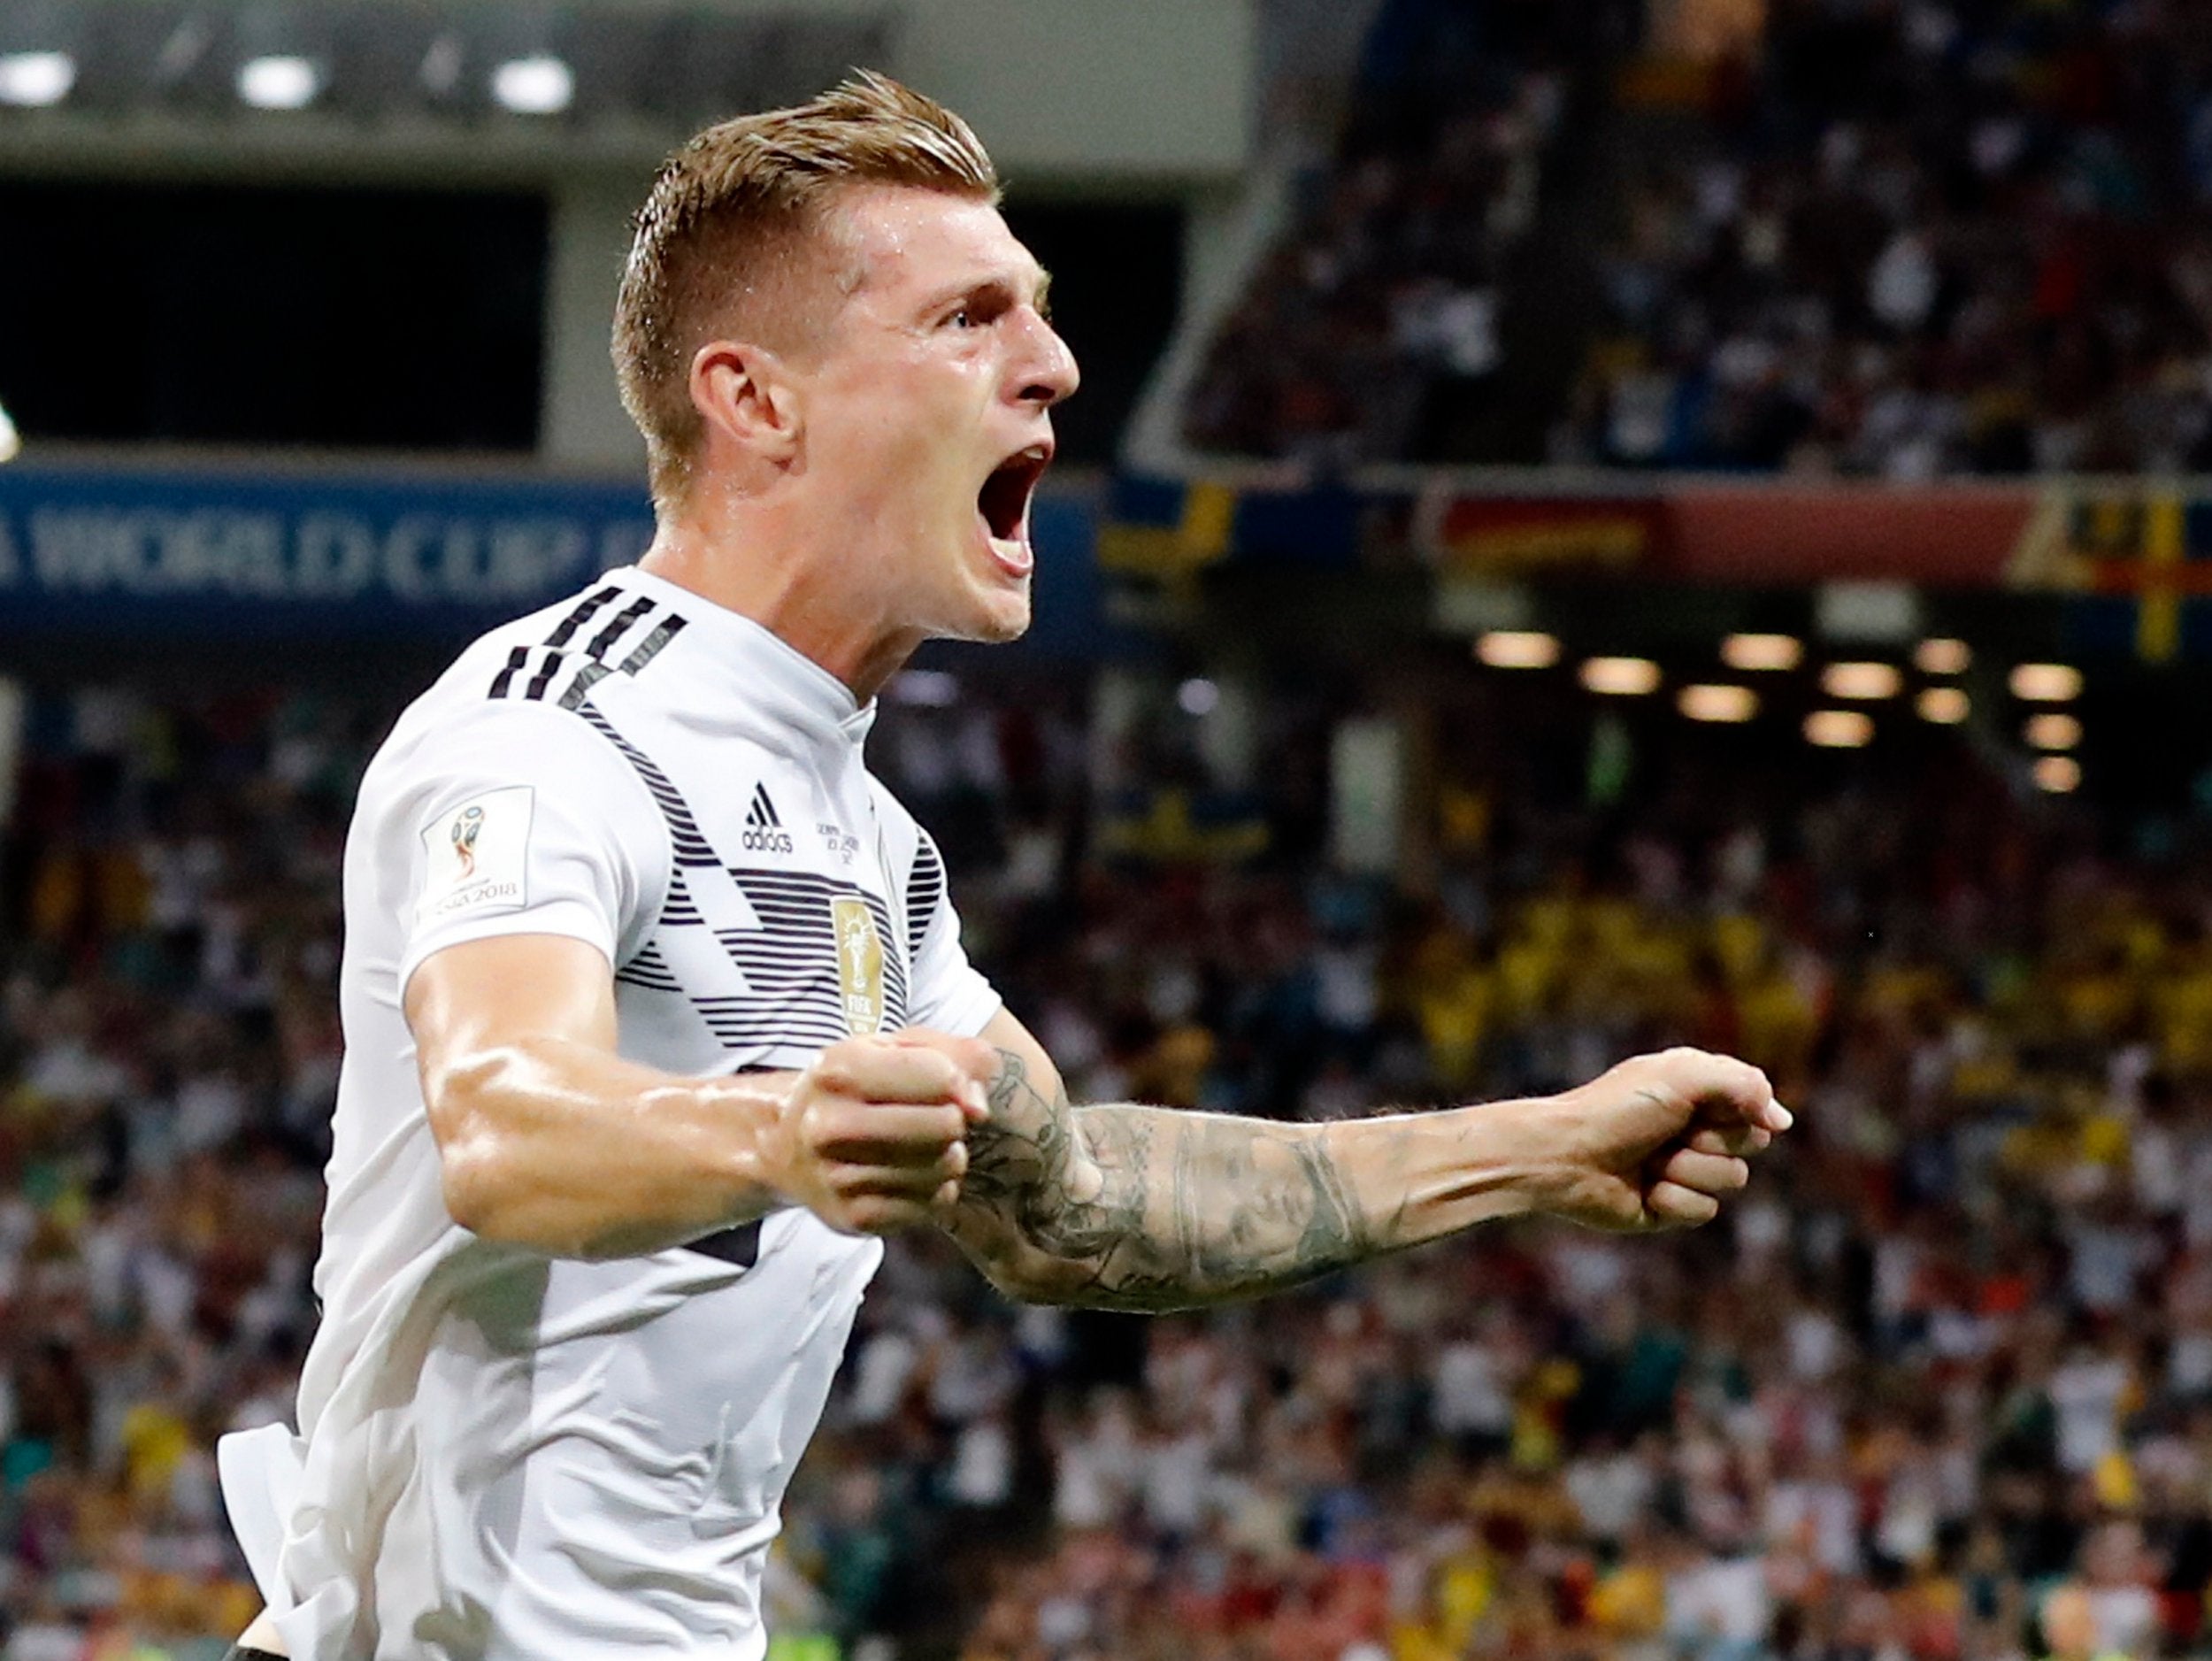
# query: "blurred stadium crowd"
[[1942, 1390], [1904, 240], [1387, 284]]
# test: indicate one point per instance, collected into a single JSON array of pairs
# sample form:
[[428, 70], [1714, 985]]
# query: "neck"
[[801, 593]]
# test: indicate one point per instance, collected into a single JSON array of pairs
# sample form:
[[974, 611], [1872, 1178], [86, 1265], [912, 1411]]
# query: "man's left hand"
[[1657, 1142]]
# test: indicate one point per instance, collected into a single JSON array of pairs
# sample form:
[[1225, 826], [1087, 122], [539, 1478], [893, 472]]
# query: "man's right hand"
[[873, 1136]]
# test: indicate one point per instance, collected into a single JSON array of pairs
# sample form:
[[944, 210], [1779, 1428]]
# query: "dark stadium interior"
[[217, 315]]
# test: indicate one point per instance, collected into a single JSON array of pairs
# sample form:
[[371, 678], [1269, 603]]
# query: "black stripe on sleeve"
[[506, 677], [629, 614], [582, 615], [544, 676]]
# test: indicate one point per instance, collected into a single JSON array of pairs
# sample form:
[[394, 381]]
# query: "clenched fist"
[[871, 1137], [1656, 1142]]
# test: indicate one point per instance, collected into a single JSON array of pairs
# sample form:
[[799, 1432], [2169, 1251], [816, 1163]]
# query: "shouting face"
[[926, 414]]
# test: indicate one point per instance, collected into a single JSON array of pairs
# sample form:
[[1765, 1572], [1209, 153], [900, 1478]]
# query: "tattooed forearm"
[[1148, 1208]]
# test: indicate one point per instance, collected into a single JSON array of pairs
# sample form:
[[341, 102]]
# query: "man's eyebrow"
[[1004, 284]]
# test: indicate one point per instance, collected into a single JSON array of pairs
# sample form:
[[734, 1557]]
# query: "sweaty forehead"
[[910, 242]]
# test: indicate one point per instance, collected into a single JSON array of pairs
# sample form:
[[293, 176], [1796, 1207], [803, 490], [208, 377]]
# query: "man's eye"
[[962, 319]]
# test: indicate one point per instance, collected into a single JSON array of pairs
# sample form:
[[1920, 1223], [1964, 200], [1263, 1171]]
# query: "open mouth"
[[1003, 504]]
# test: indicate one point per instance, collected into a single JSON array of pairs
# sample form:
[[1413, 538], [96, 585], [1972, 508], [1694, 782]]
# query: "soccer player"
[[654, 1004]]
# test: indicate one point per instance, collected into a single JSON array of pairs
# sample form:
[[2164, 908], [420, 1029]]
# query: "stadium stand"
[[1380, 306], [1920, 240], [1951, 1369], [1902, 241]]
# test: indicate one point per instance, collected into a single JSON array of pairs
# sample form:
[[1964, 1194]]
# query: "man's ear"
[[745, 395]]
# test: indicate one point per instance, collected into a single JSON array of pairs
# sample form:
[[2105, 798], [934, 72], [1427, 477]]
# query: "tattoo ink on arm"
[[1149, 1209]]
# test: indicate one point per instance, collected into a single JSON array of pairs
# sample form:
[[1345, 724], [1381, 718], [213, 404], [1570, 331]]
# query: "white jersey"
[[503, 1456]]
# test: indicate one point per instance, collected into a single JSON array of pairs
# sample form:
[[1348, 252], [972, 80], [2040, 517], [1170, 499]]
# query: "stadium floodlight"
[[2057, 775], [1517, 648], [538, 85], [926, 689], [1724, 704], [1754, 654], [1621, 677], [1840, 730], [281, 81], [1946, 706], [2045, 682], [36, 80], [1860, 681], [10, 441], [2053, 731], [1942, 657], [1198, 697]]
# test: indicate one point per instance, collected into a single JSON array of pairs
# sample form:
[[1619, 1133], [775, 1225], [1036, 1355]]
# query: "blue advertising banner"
[[108, 551], [222, 555]]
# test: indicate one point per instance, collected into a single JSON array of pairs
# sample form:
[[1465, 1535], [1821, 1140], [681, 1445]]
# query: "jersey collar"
[[773, 675]]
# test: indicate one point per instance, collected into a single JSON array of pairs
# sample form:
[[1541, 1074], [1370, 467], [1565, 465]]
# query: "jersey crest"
[[859, 966]]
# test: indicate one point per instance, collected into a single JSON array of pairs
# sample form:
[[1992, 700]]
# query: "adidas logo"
[[764, 828]]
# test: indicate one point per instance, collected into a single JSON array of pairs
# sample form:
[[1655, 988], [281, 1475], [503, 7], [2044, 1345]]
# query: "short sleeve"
[[950, 996], [520, 820]]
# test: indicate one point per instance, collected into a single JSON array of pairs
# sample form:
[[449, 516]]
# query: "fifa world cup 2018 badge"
[[466, 829], [859, 966]]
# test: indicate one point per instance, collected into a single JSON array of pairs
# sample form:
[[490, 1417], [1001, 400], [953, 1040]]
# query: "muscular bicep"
[[471, 1003]]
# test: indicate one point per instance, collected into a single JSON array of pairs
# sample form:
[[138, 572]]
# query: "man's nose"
[[1048, 367]]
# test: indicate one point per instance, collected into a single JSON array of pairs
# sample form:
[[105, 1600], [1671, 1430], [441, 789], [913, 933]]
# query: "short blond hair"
[[733, 240]]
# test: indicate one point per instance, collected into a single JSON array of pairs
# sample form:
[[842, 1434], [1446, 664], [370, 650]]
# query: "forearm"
[[570, 1151], [1146, 1207]]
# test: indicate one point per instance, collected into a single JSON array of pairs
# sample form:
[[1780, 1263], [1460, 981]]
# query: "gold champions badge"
[[859, 966]]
